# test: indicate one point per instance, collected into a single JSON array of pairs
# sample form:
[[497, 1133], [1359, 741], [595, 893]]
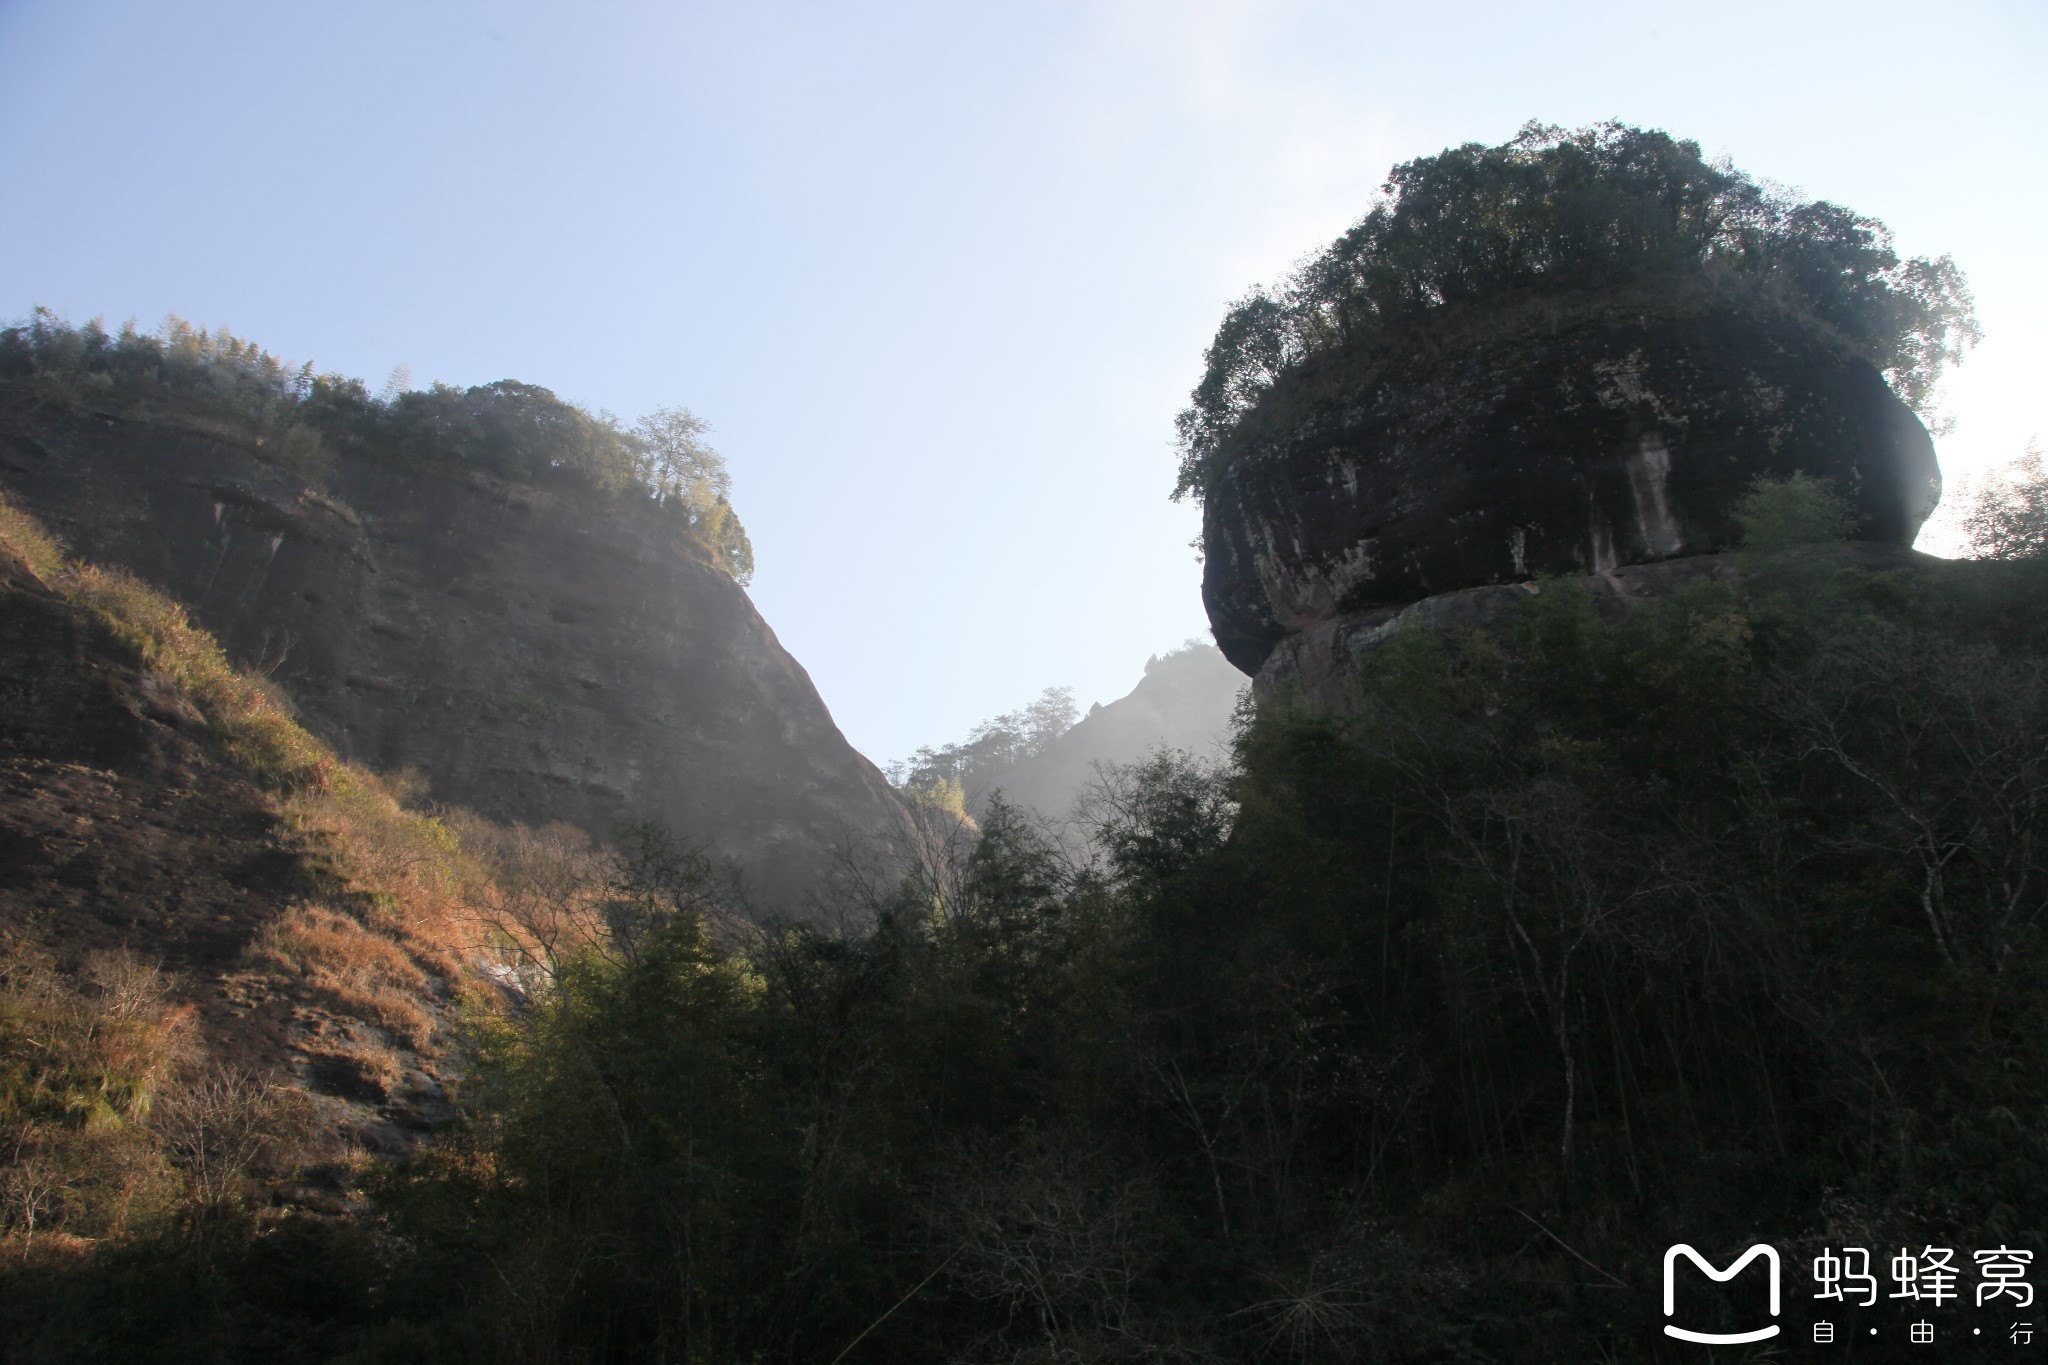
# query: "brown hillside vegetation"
[[224, 954]]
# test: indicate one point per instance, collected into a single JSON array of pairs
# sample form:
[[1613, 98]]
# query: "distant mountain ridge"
[[1184, 701]]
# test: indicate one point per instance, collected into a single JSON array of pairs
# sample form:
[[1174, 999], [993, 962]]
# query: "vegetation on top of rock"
[[962, 770], [222, 385], [1586, 212]]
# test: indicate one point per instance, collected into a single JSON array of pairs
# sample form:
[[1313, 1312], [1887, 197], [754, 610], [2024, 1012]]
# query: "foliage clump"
[[2009, 518], [222, 385], [1556, 213], [1779, 515]]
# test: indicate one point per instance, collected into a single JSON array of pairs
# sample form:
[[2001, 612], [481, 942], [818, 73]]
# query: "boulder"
[[1562, 440]]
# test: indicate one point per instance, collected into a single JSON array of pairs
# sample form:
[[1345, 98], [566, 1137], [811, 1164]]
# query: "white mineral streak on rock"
[[1305, 592], [1601, 537], [1518, 549], [1648, 471], [1269, 567], [1301, 585], [1304, 587]]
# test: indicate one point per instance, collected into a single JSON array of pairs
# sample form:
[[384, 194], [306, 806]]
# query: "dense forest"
[[220, 385], [1409, 1035]]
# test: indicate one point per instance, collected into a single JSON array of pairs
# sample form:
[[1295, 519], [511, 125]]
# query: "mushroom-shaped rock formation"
[[1568, 440]]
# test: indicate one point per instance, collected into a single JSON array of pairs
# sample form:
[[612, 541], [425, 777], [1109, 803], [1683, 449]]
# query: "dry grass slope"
[[110, 1111]]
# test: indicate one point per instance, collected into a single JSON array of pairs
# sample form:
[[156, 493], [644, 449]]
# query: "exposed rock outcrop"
[[533, 656], [1576, 439]]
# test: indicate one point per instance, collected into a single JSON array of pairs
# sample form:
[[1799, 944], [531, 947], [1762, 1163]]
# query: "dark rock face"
[[1560, 447], [534, 658]]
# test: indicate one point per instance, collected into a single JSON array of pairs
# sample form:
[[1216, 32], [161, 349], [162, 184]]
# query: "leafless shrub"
[[1364, 1296], [131, 988], [217, 1127], [2008, 517], [542, 903], [1948, 743], [1051, 1229], [29, 1190]]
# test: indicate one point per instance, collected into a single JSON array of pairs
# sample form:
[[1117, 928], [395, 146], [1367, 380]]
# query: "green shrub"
[[1778, 515]]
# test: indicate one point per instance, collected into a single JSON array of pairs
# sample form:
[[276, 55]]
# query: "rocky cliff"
[[1575, 437], [130, 832], [120, 818], [532, 654]]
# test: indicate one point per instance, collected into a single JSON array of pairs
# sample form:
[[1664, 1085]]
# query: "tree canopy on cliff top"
[[1560, 211], [222, 385]]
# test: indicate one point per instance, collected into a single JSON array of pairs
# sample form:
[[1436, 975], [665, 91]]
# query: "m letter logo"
[[1671, 1255]]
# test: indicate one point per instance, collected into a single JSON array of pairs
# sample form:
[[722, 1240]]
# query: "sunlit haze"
[[939, 276]]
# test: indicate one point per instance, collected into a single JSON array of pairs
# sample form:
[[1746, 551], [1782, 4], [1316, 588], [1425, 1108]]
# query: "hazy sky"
[[939, 275]]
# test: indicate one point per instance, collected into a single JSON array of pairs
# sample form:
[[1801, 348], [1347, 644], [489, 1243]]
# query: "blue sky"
[[939, 275]]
